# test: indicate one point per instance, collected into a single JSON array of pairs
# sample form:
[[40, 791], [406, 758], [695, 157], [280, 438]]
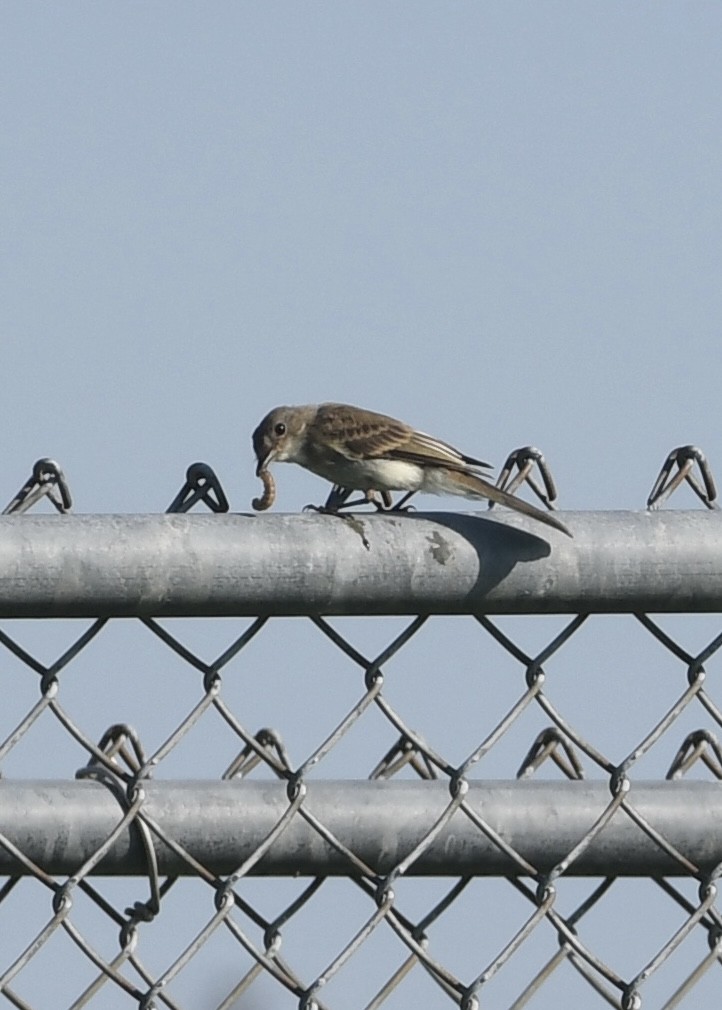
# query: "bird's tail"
[[483, 489]]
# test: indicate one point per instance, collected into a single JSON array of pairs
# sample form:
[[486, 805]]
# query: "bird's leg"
[[399, 506], [338, 499], [381, 500], [371, 497], [382, 505]]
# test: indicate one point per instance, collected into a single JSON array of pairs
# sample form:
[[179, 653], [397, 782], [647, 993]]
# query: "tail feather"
[[486, 490]]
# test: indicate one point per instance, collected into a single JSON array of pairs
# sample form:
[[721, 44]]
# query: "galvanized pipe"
[[441, 562], [59, 825]]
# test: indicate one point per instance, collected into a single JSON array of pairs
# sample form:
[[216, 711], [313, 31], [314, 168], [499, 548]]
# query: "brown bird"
[[361, 450]]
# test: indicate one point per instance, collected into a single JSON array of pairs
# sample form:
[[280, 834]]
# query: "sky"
[[499, 222]]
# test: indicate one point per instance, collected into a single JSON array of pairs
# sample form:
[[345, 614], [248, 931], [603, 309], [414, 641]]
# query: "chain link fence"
[[372, 762]]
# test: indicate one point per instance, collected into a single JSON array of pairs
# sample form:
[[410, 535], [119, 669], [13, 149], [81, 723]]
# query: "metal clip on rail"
[[685, 456], [47, 479], [525, 459], [201, 484]]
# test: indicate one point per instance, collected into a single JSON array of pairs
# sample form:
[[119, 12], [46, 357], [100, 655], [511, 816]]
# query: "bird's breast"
[[368, 474]]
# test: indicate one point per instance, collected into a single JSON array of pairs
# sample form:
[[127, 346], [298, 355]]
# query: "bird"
[[361, 450]]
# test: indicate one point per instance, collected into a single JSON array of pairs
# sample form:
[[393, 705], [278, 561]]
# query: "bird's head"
[[279, 436]]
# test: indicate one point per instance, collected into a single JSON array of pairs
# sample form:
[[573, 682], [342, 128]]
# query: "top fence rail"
[[177, 565]]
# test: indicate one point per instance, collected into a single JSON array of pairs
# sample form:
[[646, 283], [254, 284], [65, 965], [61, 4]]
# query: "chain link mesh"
[[616, 699]]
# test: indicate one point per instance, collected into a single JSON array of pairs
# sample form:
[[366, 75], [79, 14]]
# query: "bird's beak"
[[263, 462]]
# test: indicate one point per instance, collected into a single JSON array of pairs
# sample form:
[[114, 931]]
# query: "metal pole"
[[59, 825], [187, 565]]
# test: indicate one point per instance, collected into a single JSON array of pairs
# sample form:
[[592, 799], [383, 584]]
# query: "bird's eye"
[[280, 428]]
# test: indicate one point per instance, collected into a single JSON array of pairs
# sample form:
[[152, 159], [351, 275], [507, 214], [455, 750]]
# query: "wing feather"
[[360, 434], [364, 434], [424, 449]]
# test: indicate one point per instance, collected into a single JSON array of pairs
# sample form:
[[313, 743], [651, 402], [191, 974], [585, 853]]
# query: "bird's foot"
[[401, 505], [349, 518], [338, 499], [381, 501]]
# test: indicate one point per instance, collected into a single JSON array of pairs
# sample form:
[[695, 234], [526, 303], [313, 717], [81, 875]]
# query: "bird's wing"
[[359, 434], [426, 450], [364, 434]]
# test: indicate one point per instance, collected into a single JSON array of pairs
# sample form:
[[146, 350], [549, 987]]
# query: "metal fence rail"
[[181, 565], [224, 824], [492, 809]]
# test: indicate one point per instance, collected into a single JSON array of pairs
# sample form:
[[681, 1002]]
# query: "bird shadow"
[[499, 547]]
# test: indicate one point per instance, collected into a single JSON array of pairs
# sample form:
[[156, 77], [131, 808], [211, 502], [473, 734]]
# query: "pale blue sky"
[[499, 221]]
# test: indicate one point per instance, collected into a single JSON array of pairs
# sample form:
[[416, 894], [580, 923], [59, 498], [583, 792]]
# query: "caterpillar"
[[269, 492]]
